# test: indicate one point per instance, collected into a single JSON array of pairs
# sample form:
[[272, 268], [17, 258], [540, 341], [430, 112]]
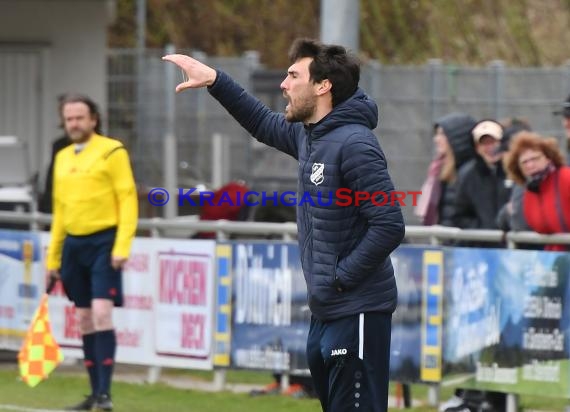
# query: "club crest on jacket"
[[318, 173]]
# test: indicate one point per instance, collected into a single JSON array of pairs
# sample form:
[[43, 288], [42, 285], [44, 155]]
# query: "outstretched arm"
[[265, 125]]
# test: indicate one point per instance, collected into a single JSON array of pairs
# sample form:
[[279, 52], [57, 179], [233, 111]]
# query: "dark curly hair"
[[331, 62]]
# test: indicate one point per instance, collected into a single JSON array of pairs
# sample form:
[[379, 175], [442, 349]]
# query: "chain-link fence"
[[138, 114], [409, 99]]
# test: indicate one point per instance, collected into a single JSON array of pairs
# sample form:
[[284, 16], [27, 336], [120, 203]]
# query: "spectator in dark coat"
[[482, 184], [453, 148]]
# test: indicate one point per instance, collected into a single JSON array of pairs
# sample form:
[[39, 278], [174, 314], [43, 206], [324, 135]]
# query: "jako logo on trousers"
[[337, 352]]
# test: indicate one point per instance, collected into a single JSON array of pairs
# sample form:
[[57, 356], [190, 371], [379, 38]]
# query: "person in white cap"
[[482, 190], [482, 185]]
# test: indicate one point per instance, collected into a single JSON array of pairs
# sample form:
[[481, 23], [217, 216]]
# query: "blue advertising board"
[[507, 320], [417, 322], [270, 317], [21, 284]]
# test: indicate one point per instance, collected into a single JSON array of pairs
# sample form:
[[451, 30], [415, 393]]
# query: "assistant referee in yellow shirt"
[[95, 213]]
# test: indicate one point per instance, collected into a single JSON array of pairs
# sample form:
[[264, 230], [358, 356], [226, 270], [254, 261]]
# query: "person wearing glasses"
[[537, 162]]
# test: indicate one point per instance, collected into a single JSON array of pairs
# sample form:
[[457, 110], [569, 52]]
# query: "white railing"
[[433, 235]]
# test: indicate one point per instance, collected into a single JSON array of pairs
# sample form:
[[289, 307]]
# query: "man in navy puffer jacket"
[[345, 250]]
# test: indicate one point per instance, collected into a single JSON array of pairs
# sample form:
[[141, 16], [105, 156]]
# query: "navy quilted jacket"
[[345, 250]]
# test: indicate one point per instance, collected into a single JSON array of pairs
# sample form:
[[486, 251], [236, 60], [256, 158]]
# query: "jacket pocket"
[[306, 259], [336, 283]]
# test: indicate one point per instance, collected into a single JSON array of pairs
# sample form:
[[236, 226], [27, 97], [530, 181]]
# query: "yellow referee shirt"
[[93, 190]]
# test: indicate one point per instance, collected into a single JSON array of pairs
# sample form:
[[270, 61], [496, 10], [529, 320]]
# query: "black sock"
[[89, 360], [105, 346]]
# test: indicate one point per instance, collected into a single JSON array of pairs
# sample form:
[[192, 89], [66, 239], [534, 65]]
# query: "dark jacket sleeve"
[[518, 221], [446, 206], [265, 125], [513, 221], [364, 168], [46, 201], [464, 215], [504, 218]]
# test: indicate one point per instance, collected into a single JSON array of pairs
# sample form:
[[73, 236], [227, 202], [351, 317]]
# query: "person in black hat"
[[564, 111], [453, 148]]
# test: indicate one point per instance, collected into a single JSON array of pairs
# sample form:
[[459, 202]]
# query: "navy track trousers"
[[349, 361]]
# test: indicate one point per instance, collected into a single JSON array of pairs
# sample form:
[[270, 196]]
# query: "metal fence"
[[410, 98], [180, 227], [138, 114]]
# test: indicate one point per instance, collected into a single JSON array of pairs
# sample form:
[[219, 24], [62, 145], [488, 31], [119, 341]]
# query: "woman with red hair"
[[538, 164]]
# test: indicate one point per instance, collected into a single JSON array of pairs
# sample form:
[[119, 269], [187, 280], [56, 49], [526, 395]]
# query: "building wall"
[[68, 40]]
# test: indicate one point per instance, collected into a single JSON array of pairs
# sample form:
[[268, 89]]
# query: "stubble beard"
[[303, 110], [79, 135]]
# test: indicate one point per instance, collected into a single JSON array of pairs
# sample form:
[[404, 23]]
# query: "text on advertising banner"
[[270, 313], [507, 320], [167, 316]]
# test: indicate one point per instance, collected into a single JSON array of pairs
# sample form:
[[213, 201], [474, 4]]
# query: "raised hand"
[[198, 74]]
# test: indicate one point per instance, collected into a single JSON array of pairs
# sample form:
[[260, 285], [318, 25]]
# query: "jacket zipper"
[[334, 269], [308, 222]]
